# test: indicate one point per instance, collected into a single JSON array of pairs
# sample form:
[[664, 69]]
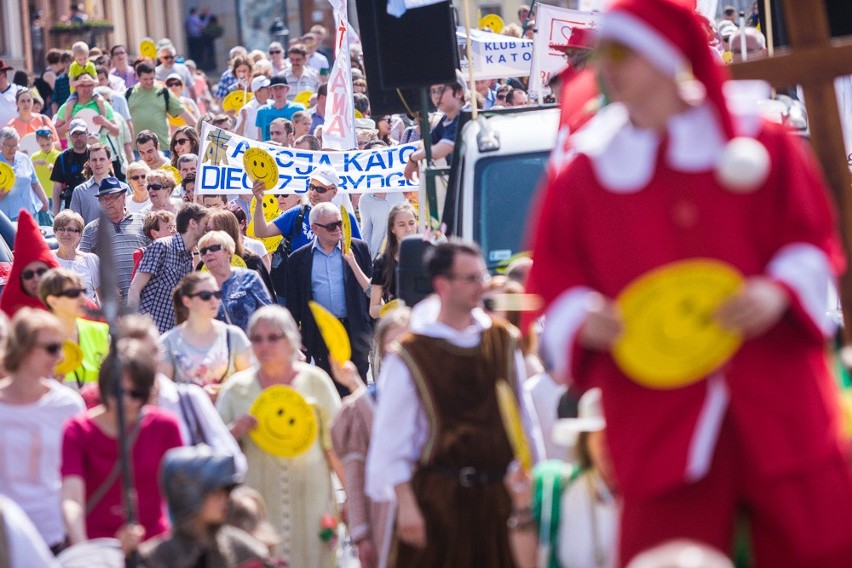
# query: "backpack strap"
[[127, 93]]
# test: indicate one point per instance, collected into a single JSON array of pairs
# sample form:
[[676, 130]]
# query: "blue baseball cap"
[[110, 186]]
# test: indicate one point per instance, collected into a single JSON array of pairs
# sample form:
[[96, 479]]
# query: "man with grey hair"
[[167, 66], [755, 44], [338, 280]]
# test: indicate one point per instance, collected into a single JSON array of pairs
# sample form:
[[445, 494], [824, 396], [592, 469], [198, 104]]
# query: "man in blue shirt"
[[280, 107]]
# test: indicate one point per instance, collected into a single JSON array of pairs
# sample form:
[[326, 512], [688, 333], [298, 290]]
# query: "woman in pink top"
[[91, 485], [27, 121]]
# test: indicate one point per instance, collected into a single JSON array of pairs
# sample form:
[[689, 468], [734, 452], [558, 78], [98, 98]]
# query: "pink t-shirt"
[[91, 454]]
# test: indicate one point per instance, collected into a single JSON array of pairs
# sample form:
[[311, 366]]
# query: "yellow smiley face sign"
[[492, 22], [72, 357], [271, 211], [304, 98], [172, 170], [147, 48], [7, 177], [671, 337], [259, 165], [235, 100], [286, 423]]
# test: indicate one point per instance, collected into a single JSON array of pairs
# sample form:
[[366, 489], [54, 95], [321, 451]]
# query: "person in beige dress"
[[298, 490]]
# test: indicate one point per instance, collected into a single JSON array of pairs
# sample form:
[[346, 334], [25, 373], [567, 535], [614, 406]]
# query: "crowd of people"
[[408, 441]]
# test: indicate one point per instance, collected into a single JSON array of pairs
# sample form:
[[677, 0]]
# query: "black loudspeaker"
[[412, 279], [417, 50]]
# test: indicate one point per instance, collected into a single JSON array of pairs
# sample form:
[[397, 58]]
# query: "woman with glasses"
[[68, 227], [225, 220], [137, 178], [63, 292], [91, 487], [184, 141], [33, 410], [276, 58], [160, 185], [174, 83], [243, 291], [28, 121], [32, 259], [201, 350], [297, 490]]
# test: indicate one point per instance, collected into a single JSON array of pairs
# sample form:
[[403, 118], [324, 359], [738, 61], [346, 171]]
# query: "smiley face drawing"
[[271, 211], [7, 177], [235, 100], [259, 165], [671, 338], [286, 422]]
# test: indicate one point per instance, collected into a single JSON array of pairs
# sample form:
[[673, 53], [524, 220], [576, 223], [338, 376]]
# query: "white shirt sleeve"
[[26, 547], [400, 430]]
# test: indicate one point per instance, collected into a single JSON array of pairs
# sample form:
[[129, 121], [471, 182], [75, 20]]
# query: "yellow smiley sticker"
[[286, 423], [7, 177], [147, 48], [235, 100], [259, 165], [492, 22], [271, 211], [72, 357], [671, 337]]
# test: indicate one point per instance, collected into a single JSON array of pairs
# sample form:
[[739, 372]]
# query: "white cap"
[[326, 175], [590, 419], [259, 82]]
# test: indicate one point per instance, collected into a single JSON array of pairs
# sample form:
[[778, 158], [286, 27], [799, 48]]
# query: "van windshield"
[[504, 188]]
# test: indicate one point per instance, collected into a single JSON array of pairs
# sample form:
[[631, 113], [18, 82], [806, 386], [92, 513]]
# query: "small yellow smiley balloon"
[[671, 337], [286, 423], [7, 177], [259, 165]]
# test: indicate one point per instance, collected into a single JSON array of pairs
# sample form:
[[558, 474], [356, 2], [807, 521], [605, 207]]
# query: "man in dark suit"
[[320, 271]]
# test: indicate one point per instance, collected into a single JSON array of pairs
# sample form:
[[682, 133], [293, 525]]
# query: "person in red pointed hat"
[[670, 172], [32, 259]]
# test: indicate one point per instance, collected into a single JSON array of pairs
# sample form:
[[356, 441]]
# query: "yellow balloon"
[[235, 100], [286, 423], [72, 357], [493, 22], [259, 165], [671, 338], [7, 177], [147, 48]]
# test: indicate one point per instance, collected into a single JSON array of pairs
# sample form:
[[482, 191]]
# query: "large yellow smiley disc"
[[286, 423], [72, 357], [7, 177], [671, 338], [259, 165], [147, 48], [492, 22], [235, 100]]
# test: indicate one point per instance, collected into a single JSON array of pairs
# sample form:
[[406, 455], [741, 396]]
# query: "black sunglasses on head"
[[30, 274]]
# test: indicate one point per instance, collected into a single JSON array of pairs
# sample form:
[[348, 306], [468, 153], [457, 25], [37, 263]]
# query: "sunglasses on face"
[[271, 338], [117, 53], [67, 230], [331, 227], [138, 394], [155, 187], [30, 274], [51, 348], [181, 142], [174, 84], [168, 57], [275, 51], [71, 293], [206, 295], [319, 189], [211, 248]]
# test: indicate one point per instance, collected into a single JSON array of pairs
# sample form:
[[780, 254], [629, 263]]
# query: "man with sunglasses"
[[127, 230], [338, 281], [168, 65], [164, 263]]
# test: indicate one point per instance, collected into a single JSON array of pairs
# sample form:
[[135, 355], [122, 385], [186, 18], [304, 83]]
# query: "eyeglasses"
[[174, 83], [438, 90], [137, 178], [30, 274], [168, 57], [471, 278], [119, 53], [331, 227], [501, 97], [206, 295], [71, 293], [138, 394], [319, 189], [51, 348], [271, 338], [155, 186], [67, 230], [211, 248], [181, 141], [275, 51]]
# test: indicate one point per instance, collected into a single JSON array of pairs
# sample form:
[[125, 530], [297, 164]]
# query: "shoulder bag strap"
[[228, 347], [99, 493]]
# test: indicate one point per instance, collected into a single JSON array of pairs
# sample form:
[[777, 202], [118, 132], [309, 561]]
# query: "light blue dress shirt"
[[327, 279]]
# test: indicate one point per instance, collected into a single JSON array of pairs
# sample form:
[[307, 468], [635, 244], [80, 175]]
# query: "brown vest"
[[465, 526]]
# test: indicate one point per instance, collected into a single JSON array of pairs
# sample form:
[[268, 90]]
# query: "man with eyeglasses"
[[126, 229], [338, 281], [279, 107], [164, 263], [150, 104], [168, 56], [439, 386], [67, 171]]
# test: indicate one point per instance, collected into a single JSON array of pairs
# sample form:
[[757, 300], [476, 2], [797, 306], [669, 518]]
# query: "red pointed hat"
[[29, 247], [670, 36]]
